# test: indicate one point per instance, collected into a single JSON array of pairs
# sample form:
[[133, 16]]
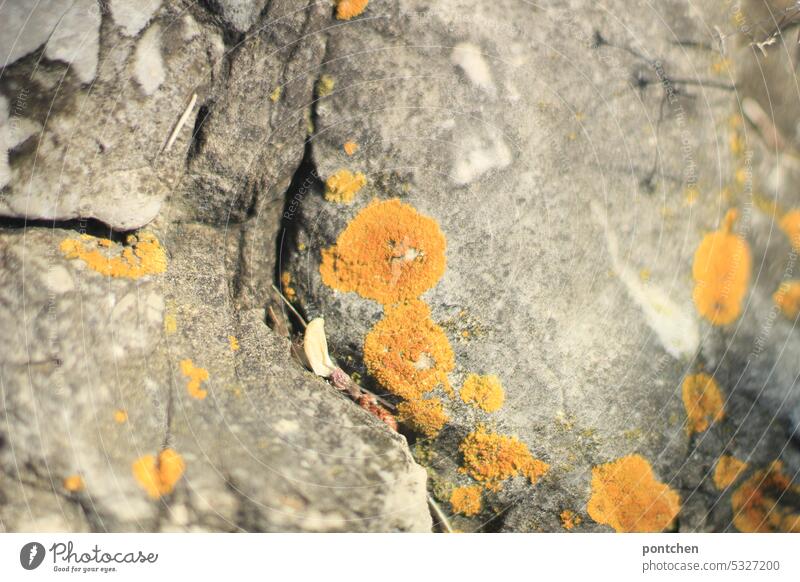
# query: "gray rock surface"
[[556, 147], [574, 155], [271, 447]]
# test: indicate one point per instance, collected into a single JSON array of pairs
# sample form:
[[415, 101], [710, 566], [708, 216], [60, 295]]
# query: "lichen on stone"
[[158, 476], [233, 342], [424, 415], [627, 496], [196, 377], [389, 253], [727, 471], [790, 224], [466, 500], [350, 147], [703, 402], [407, 352], [721, 272], [343, 186], [347, 9], [569, 519], [141, 255], [484, 392], [74, 484], [759, 503], [787, 298], [491, 458], [120, 416]]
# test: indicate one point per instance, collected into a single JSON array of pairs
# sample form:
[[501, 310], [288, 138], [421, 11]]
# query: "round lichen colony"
[[389, 253], [627, 496], [466, 500], [721, 272], [408, 353], [425, 415], [703, 402], [484, 392], [758, 503], [492, 458]]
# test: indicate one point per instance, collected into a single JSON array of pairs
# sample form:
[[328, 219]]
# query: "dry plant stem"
[[181, 122], [440, 515]]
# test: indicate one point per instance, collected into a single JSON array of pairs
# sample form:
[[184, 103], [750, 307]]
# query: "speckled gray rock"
[[271, 447], [555, 146]]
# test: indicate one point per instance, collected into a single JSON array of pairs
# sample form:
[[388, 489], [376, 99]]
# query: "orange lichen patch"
[[787, 297], [343, 186], [286, 284], [142, 255], [424, 415], [466, 500], [350, 147], [234, 343], [407, 352], [627, 496], [757, 504], [790, 224], [389, 253], [347, 9], [492, 458], [159, 476], [196, 377], [484, 392], [703, 402], [570, 519], [120, 416], [721, 272], [727, 471], [74, 484]]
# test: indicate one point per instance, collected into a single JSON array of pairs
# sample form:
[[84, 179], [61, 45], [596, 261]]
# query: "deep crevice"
[[90, 226]]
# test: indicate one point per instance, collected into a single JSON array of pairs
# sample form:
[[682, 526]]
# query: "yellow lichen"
[[790, 224], [627, 496], [484, 392], [276, 94], [424, 415], [787, 297], [343, 186], [159, 476], [196, 377], [492, 458], [727, 471], [170, 324], [234, 343], [325, 85], [466, 500], [347, 9], [407, 352], [74, 484], [120, 416], [703, 402], [757, 503], [570, 519], [350, 147], [721, 272], [142, 255], [286, 285], [389, 252]]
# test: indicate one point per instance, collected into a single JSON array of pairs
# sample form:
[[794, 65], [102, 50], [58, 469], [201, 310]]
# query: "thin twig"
[[290, 306], [181, 122], [443, 521]]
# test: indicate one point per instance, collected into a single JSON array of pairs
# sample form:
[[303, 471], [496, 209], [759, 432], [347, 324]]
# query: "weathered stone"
[[559, 148]]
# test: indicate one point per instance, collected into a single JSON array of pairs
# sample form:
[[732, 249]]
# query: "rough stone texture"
[[271, 447], [554, 145]]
